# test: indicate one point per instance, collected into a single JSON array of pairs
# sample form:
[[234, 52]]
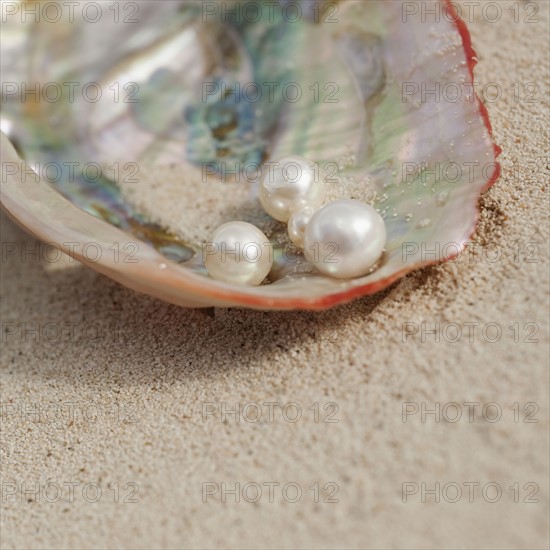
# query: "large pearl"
[[238, 253], [345, 238], [290, 184]]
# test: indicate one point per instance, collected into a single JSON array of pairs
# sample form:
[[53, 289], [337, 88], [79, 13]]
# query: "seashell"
[[387, 112]]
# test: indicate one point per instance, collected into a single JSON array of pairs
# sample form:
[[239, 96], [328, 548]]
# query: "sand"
[[132, 400]]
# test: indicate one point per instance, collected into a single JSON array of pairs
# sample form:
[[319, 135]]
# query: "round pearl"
[[345, 238], [238, 253], [288, 185], [297, 225]]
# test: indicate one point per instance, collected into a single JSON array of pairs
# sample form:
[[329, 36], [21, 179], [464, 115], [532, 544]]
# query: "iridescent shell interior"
[[147, 122]]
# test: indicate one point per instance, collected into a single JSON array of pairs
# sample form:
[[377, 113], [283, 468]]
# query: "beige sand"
[[153, 367]]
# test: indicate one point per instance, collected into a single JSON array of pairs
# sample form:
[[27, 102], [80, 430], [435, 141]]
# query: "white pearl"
[[290, 184], [297, 225], [345, 238], [238, 253]]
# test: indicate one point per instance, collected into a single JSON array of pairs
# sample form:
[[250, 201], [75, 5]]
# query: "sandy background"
[[132, 381]]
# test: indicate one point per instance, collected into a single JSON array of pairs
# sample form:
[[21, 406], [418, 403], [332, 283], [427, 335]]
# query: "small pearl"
[[289, 185], [345, 238], [297, 225], [238, 253]]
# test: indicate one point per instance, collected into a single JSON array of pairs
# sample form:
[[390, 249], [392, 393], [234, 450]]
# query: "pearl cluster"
[[343, 239]]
